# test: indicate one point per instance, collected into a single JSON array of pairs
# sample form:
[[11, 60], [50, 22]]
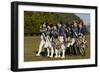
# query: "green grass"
[[31, 45]]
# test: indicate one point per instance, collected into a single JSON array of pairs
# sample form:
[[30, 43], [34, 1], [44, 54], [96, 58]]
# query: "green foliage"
[[33, 20]]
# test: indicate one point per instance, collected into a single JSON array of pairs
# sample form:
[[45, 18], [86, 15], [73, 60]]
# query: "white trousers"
[[42, 43], [61, 39], [73, 41], [49, 46]]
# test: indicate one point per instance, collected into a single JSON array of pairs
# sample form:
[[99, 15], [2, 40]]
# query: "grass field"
[[31, 45]]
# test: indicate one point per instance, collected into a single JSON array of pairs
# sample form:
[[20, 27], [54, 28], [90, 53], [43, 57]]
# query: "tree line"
[[33, 20]]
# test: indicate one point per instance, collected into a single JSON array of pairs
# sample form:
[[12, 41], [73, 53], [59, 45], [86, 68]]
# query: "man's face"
[[75, 24], [44, 25], [54, 27], [59, 25], [80, 25]]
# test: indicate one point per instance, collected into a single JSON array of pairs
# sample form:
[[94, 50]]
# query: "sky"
[[85, 17]]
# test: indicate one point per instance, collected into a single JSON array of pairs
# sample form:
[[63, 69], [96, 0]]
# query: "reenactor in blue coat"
[[61, 38], [82, 33], [43, 30], [55, 41], [82, 30], [74, 38]]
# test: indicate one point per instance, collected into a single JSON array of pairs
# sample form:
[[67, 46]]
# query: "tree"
[[33, 20]]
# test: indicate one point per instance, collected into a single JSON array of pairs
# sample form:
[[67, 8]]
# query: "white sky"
[[85, 17]]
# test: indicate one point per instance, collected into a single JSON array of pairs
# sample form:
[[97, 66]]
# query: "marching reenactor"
[[43, 30], [61, 37]]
